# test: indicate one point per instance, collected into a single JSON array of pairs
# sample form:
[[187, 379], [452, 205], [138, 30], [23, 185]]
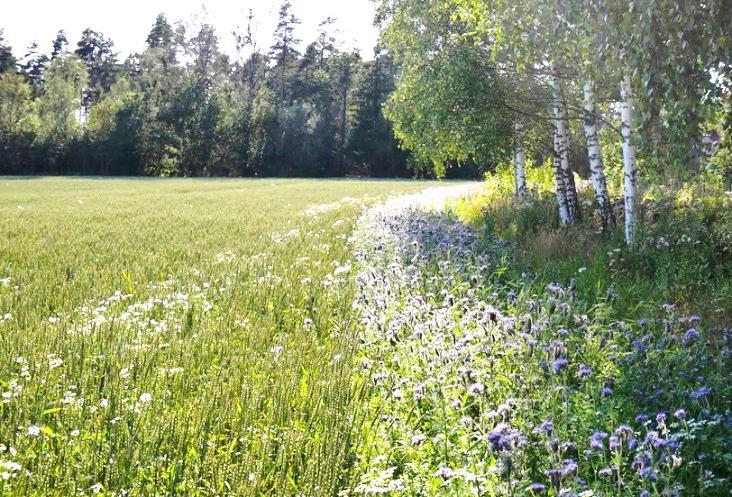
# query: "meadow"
[[177, 337], [321, 338]]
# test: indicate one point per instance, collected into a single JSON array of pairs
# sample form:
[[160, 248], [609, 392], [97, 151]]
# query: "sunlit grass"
[[177, 337]]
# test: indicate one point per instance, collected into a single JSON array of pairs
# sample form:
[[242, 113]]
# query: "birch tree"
[[449, 104], [522, 37], [519, 160], [629, 166], [597, 169], [561, 189], [561, 150]]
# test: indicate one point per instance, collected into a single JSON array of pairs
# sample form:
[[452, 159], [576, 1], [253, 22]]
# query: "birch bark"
[[597, 169], [519, 162], [629, 162], [559, 181], [561, 123]]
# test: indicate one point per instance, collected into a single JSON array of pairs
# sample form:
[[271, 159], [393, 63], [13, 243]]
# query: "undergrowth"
[[683, 255]]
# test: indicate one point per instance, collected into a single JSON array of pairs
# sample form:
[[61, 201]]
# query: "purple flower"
[[584, 371], [614, 442], [570, 467], [624, 430], [476, 388], [503, 438], [597, 440], [605, 472], [555, 477], [537, 488], [606, 392], [559, 364], [701, 393], [654, 440], [680, 414], [689, 337], [641, 419], [644, 465], [547, 427]]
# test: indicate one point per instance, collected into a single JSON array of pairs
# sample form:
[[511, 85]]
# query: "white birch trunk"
[[559, 181], [561, 123], [629, 168], [519, 162], [597, 169]]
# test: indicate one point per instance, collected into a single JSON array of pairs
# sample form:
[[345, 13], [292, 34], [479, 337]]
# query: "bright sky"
[[128, 22]]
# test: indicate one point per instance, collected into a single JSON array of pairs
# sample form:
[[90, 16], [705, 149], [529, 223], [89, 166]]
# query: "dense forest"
[[182, 107]]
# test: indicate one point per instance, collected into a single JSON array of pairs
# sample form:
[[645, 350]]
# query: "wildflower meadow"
[[348, 338]]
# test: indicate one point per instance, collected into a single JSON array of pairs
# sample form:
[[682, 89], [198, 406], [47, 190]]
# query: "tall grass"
[[177, 337]]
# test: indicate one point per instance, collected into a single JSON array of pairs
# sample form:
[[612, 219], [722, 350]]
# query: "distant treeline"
[[184, 108]]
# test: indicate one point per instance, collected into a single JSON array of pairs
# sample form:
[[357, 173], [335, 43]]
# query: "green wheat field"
[[187, 337]]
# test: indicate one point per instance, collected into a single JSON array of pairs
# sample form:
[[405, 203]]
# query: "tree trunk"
[[561, 123], [559, 180], [629, 170], [597, 170], [520, 163]]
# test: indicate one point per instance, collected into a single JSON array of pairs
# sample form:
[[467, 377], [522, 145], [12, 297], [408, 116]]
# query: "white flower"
[[277, 351], [74, 433], [418, 439], [34, 431], [476, 388], [145, 398]]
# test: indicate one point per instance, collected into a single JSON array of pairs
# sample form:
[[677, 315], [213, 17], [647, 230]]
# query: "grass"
[[177, 337], [249, 337]]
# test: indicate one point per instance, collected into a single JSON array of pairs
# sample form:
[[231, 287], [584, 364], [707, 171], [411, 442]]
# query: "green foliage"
[[17, 115], [277, 114], [61, 101], [683, 253], [449, 111], [493, 201], [448, 104]]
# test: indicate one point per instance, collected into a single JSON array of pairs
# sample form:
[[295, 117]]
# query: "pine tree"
[[33, 67], [60, 45], [96, 52], [7, 61], [283, 50]]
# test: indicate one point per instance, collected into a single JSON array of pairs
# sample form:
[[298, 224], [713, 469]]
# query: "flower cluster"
[[477, 385]]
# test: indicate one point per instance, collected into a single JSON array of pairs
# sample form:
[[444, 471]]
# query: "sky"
[[128, 22]]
